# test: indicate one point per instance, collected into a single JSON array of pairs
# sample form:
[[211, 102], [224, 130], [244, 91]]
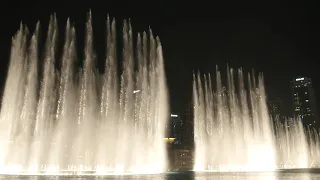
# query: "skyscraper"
[[304, 101], [176, 127], [187, 127]]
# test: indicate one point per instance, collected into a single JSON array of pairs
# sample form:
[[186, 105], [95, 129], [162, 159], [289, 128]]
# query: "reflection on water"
[[183, 176]]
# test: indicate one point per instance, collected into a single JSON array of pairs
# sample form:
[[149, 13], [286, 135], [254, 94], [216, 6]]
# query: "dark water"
[[283, 175]]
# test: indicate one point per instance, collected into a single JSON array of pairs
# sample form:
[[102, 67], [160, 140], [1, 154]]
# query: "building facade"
[[188, 126], [175, 126], [304, 101], [180, 159]]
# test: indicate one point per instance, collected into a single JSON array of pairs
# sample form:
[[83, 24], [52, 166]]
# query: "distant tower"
[[176, 127], [188, 126], [304, 101], [275, 109]]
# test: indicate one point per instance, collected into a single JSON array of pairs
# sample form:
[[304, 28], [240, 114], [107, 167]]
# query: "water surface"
[[285, 175]]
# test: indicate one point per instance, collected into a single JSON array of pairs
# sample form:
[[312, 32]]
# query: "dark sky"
[[272, 38]]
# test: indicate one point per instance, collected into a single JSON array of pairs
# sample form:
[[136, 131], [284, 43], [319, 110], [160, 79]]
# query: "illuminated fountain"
[[313, 138], [233, 130], [67, 120], [292, 145]]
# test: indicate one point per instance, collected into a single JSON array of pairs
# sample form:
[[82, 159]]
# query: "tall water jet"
[[70, 120], [12, 102], [233, 131], [292, 145], [313, 138]]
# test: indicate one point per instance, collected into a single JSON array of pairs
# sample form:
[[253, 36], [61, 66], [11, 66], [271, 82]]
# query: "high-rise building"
[[275, 109], [188, 126], [175, 127], [304, 101]]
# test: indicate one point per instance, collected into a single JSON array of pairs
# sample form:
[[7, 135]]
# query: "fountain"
[[313, 139], [233, 130], [292, 146], [66, 120]]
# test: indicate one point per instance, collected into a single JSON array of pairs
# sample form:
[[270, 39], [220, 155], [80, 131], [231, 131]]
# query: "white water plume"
[[233, 130], [83, 121]]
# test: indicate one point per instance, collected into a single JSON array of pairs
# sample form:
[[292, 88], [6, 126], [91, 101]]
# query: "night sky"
[[272, 38]]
